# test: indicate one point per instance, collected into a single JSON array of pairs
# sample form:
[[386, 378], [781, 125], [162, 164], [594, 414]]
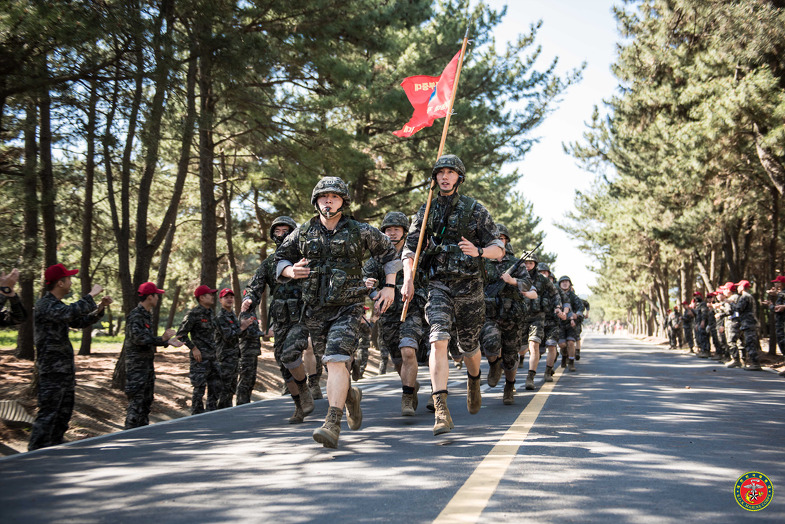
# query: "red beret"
[[148, 288], [56, 272], [226, 291], [203, 290]]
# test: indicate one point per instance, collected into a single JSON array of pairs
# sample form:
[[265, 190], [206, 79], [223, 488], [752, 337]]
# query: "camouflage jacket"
[[13, 316], [139, 336], [779, 301], [576, 307], [249, 339], [687, 317], [198, 331], [335, 259], [701, 313], [508, 302], [548, 297], [52, 319], [227, 332], [744, 311], [374, 269], [442, 258], [285, 300], [674, 320]]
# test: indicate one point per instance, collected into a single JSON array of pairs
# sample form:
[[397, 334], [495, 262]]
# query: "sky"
[[575, 31]]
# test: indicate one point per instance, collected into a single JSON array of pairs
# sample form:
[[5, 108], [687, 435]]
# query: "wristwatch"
[[5, 289]]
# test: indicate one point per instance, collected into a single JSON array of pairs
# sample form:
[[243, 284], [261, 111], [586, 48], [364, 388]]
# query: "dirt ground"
[[99, 409]]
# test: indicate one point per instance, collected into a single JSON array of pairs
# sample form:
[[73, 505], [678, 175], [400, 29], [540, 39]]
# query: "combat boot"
[[316, 388], [703, 354], [442, 419], [735, 363], [415, 400], [577, 353], [548, 377], [298, 416], [354, 415], [494, 373], [571, 364], [328, 434], [753, 366], [473, 395], [383, 366], [407, 407], [509, 393], [564, 361], [306, 399], [356, 372], [530, 379]]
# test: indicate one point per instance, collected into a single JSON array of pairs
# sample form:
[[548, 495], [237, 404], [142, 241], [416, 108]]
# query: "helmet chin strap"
[[328, 214]]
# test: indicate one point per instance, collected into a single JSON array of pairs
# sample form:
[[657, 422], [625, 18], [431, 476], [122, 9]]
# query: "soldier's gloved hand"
[[246, 305], [197, 354]]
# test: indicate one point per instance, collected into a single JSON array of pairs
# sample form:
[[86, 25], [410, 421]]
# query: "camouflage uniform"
[[455, 285], [744, 310], [13, 316], [334, 291], [687, 326], [228, 351], [139, 345], [779, 321], [363, 348], [55, 364], [674, 324], [284, 312], [199, 323], [504, 311], [713, 333], [702, 317], [731, 326], [394, 334], [250, 349], [570, 332]]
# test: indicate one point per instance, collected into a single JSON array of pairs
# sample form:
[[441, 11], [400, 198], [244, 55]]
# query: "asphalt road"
[[638, 434]]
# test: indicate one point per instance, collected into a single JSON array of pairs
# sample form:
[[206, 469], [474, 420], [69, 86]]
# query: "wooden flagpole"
[[423, 227]]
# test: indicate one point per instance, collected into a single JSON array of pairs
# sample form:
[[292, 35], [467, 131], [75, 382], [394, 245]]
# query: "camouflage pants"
[[334, 333], [394, 334], [502, 338], [55, 406], [139, 388], [247, 375], [779, 329], [552, 333], [751, 344], [229, 364], [719, 349], [702, 338], [532, 330], [290, 342], [732, 337], [569, 332], [205, 375], [460, 306], [688, 335]]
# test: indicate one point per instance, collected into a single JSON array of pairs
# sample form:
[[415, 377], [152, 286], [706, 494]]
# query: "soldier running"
[[460, 232], [327, 252], [400, 339]]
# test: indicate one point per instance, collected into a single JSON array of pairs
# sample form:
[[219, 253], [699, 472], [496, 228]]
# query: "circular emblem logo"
[[753, 491]]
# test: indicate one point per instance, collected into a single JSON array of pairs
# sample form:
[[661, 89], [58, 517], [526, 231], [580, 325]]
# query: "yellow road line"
[[469, 502]]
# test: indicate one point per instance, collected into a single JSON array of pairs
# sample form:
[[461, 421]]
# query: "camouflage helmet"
[[331, 184], [563, 278], [531, 257], [395, 218], [282, 221], [542, 266], [503, 231], [452, 162]]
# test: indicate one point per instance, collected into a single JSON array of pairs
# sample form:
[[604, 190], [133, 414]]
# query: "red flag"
[[430, 96]]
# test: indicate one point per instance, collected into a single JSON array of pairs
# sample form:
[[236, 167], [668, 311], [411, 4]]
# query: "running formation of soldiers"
[[469, 296], [727, 320]]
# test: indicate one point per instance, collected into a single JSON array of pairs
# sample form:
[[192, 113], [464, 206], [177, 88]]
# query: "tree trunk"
[[48, 191], [87, 216], [30, 270], [770, 164], [173, 309], [209, 272], [161, 280], [772, 260], [227, 200]]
